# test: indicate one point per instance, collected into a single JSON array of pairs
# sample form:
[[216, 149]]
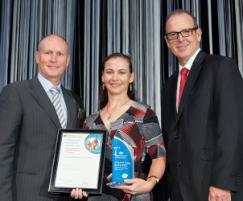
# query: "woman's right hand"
[[78, 193]]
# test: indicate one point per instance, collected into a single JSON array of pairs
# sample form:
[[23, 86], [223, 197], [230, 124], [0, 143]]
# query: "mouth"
[[114, 85], [52, 66], [182, 47]]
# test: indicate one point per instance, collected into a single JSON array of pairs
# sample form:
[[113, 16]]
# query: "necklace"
[[108, 114]]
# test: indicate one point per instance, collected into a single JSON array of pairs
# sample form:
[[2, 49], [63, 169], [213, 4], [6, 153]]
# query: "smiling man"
[[31, 112], [202, 118]]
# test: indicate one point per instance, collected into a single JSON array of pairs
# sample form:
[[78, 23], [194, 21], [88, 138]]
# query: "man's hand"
[[218, 194], [78, 193]]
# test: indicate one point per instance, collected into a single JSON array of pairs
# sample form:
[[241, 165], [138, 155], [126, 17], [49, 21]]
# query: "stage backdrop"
[[96, 28]]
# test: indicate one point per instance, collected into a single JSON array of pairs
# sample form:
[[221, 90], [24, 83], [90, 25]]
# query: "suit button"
[[179, 164], [176, 136]]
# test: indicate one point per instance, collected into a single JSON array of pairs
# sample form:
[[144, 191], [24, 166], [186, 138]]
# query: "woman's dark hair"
[[103, 96]]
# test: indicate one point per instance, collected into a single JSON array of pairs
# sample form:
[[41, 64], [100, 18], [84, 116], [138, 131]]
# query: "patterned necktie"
[[184, 74], [57, 105]]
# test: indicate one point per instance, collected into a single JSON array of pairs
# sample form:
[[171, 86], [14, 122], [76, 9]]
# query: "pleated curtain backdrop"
[[91, 54], [221, 23], [23, 24], [133, 28]]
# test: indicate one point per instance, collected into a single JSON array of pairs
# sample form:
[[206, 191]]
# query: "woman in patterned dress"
[[132, 121]]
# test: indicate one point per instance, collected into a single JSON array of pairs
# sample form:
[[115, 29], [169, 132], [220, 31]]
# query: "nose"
[[53, 58], [180, 37], [114, 76]]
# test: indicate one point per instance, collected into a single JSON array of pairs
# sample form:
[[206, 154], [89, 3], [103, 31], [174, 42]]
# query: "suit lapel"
[[173, 98], [43, 100], [192, 77], [171, 87], [70, 108]]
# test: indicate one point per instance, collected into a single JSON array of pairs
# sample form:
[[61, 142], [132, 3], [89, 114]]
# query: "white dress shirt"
[[188, 65]]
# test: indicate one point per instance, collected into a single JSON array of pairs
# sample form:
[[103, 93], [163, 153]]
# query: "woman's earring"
[[103, 86], [130, 87]]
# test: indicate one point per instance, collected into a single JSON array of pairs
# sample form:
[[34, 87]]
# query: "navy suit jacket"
[[28, 127], [203, 138]]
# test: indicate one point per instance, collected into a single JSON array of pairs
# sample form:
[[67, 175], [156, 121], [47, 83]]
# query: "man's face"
[[183, 47], [52, 58]]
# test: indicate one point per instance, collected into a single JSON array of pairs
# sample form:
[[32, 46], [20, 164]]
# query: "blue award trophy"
[[122, 161]]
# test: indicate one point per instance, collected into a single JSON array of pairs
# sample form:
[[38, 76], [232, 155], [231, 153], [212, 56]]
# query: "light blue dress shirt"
[[47, 85]]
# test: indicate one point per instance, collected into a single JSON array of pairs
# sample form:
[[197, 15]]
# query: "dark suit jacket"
[[203, 138], [28, 127]]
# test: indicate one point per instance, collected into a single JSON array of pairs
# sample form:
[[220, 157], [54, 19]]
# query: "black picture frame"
[[92, 145]]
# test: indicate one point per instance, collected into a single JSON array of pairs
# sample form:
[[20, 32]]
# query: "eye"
[[173, 34], [108, 71], [187, 31], [60, 54], [48, 52], [122, 72]]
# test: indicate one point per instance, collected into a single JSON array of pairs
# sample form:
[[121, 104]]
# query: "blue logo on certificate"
[[93, 143], [122, 161]]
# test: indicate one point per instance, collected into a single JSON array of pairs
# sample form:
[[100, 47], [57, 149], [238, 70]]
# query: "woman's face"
[[117, 76]]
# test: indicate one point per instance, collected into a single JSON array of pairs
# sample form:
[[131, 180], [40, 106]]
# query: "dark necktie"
[[184, 74], [57, 105]]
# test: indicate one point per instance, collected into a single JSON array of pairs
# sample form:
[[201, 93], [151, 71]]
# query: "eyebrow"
[[185, 29], [124, 69]]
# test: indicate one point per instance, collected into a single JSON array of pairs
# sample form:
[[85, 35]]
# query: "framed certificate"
[[78, 161]]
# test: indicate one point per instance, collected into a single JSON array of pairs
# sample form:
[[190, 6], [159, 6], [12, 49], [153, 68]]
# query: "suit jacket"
[[204, 136], [28, 126]]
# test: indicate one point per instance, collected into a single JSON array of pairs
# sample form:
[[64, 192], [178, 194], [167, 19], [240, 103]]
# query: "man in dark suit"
[[29, 124], [202, 118]]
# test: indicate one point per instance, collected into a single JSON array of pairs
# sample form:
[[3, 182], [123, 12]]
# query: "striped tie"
[[57, 105]]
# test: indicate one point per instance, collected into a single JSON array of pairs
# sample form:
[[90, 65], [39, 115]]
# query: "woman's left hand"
[[136, 186]]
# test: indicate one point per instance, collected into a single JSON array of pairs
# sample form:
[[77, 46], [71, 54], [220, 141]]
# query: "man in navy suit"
[[202, 118], [29, 125]]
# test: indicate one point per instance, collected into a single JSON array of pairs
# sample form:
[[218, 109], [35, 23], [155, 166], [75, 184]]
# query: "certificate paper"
[[78, 161]]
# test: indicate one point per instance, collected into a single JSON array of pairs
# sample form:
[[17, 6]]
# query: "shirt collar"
[[46, 84], [189, 63]]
